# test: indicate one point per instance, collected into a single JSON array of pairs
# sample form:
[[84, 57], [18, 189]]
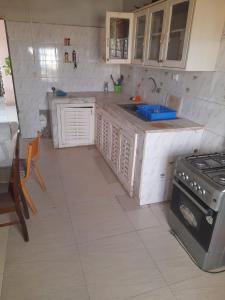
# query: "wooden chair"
[[33, 154], [10, 202]]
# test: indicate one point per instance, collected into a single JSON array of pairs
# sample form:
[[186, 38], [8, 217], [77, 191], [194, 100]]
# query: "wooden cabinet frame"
[[122, 15], [136, 16]]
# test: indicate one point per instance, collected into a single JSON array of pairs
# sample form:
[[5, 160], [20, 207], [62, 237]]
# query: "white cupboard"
[[139, 38], [118, 147], [75, 124], [176, 34], [119, 35]]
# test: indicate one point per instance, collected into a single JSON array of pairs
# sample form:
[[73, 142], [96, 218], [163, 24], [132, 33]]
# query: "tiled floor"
[[90, 241]]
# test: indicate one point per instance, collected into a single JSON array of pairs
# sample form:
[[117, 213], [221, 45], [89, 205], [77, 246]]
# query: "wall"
[[68, 12], [202, 93], [9, 96], [129, 5], [37, 52]]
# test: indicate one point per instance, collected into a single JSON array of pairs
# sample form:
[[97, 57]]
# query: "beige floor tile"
[[160, 210], [98, 218], [46, 278], [3, 247], [142, 218], [118, 268], [161, 244], [116, 189], [159, 294], [178, 269], [204, 287], [49, 227], [127, 203], [105, 169]]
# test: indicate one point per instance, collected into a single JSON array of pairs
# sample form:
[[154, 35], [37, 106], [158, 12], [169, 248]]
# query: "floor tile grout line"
[[168, 284], [155, 263], [74, 234]]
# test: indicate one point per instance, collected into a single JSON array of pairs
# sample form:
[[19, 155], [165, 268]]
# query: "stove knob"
[[184, 177], [204, 192], [196, 188], [195, 183], [180, 174], [199, 187], [191, 183], [200, 192], [187, 177]]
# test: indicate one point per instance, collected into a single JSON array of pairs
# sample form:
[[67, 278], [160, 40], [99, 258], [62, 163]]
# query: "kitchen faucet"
[[156, 89]]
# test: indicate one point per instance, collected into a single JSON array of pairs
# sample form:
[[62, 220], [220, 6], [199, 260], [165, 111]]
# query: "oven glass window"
[[199, 222]]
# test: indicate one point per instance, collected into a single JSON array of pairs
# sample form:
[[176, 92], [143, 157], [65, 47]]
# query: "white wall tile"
[[203, 95], [37, 52]]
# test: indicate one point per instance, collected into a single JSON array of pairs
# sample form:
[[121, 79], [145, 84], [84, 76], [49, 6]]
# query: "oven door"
[[197, 217]]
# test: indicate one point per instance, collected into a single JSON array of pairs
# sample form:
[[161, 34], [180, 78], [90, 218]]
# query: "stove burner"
[[219, 178], [200, 165]]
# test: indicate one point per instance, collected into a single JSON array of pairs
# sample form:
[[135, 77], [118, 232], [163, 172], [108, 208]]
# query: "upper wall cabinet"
[[156, 35], [175, 34], [119, 36], [139, 40]]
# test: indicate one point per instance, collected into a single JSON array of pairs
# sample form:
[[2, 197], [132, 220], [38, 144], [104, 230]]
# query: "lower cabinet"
[[75, 124], [127, 160], [118, 147]]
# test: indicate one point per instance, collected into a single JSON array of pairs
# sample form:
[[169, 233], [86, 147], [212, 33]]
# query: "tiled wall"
[[203, 95], [37, 52]]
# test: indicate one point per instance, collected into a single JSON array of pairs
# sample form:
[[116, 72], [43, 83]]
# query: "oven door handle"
[[191, 198]]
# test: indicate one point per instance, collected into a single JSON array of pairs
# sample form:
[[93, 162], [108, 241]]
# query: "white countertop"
[[109, 102]]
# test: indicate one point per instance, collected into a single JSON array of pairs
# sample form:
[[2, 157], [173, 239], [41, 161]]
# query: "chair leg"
[[24, 203], [22, 223], [28, 198], [39, 177]]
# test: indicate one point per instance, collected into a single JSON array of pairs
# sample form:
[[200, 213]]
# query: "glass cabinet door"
[[139, 37], [118, 37], [156, 35], [179, 27]]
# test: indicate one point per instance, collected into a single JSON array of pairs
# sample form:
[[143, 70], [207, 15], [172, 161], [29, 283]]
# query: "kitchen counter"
[[143, 153], [109, 102]]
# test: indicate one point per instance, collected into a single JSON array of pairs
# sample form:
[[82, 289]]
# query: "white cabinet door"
[[115, 147], [127, 159], [119, 34], [105, 148], [98, 130], [156, 35], [140, 28], [178, 25], [75, 125]]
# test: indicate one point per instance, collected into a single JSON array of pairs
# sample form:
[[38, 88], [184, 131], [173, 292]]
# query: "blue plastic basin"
[[156, 112]]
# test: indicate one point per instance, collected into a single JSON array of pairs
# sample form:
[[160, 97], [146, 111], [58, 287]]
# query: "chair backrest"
[[33, 153], [35, 149]]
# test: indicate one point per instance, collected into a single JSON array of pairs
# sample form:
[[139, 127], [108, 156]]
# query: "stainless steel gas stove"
[[197, 210]]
